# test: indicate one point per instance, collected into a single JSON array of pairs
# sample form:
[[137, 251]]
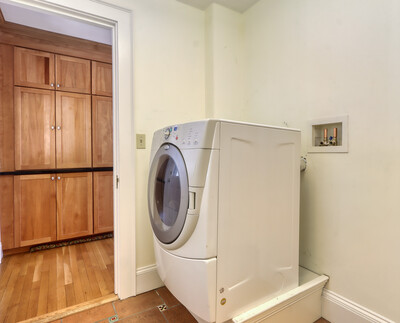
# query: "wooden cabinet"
[[7, 211], [34, 209], [102, 123], [103, 202], [39, 134], [34, 128], [74, 205], [101, 79], [6, 108], [72, 74], [74, 129], [33, 68]]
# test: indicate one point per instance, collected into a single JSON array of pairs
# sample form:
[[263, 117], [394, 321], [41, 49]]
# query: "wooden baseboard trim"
[[59, 314]]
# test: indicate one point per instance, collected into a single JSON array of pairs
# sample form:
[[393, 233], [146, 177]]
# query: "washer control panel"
[[187, 135]]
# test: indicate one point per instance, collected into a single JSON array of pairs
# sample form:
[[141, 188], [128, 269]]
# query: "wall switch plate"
[[140, 141]]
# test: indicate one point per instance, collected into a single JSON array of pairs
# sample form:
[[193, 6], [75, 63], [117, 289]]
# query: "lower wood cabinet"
[[34, 209], [43, 208], [7, 211], [103, 202], [74, 205]]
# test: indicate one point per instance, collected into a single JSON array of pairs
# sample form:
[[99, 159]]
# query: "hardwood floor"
[[32, 284]]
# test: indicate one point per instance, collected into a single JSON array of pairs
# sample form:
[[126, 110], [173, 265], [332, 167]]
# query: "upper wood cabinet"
[[6, 108], [72, 74], [33, 68], [34, 128], [7, 211], [34, 209], [102, 202], [74, 205], [102, 123], [101, 79], [73, 114]]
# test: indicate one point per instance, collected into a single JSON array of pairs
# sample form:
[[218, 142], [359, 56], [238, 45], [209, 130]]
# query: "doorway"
[[119, 21]]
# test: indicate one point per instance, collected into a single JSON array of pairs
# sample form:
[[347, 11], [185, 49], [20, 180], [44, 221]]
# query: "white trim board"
[[337, 309], [147, 279]]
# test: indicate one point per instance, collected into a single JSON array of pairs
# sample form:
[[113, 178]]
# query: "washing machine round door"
[[168, 193]]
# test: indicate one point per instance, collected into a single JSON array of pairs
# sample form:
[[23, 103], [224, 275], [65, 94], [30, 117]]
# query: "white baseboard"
[[337, 309], [147, 279]]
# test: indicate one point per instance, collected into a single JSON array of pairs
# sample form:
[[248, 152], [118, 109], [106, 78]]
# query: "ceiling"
[[55, 23], [237, 5]]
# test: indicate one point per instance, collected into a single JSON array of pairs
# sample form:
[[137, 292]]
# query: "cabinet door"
[[73, 74], [102, 202], [73, 135], [74, 205], [35, 209], [34, 128], [102, 131], [33, 68], [6, 108], [101, 78], [7, 211]]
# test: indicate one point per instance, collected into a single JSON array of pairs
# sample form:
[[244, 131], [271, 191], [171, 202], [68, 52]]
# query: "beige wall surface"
[[310, 59], [224, 64], [169, 86]]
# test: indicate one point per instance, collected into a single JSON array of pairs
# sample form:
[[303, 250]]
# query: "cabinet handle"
[[52, 84], [58, 177], [52, 178], [58, 85], [52, 127], [59, 128]]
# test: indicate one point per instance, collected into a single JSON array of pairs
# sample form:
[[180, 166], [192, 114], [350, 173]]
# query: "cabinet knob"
[[52, 127], [58, 127], [52, 84], [58, 177], [58, 85], [52, 178]]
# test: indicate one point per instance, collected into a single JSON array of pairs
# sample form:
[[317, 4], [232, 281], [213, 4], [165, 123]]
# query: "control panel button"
[[167, 132]]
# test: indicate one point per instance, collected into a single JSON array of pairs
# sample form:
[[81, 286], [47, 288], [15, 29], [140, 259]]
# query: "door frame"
[[119, 20]]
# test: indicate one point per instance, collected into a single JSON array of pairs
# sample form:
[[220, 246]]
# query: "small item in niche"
[[325, 142], [334, 139]]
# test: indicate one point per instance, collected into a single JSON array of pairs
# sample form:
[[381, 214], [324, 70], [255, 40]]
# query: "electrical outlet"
[[140, 141]]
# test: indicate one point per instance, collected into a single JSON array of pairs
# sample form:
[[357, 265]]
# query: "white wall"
[[316, 58], [169, 86], [224, 63]]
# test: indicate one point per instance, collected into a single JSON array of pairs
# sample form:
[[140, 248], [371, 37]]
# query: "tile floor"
[[155, 306]]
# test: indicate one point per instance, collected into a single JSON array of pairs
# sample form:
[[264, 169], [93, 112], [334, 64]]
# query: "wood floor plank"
[[43, 292], [33, 298], [24, 301], [79, 296], [94, 286], [37, 283], [12, 309], [52, 291], [61, 300]]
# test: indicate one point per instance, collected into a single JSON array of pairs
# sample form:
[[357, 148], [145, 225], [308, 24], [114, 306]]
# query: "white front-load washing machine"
[[224, 207]]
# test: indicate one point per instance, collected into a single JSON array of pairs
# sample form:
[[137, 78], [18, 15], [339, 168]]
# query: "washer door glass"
[[168, 193]]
